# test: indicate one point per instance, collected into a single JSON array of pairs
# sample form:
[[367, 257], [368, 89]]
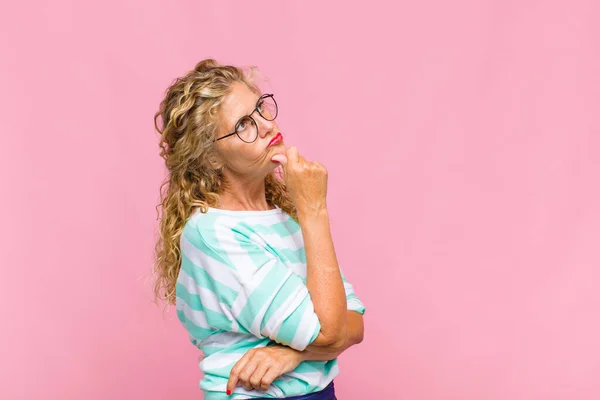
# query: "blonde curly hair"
[[190, 119]]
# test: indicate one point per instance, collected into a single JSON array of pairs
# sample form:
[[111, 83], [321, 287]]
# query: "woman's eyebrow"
[[242, 116], [236, 121]]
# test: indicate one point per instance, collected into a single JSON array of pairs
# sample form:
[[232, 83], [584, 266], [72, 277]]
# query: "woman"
[[248, 259]]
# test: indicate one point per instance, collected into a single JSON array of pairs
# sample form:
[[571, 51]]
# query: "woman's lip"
[[276, 139]]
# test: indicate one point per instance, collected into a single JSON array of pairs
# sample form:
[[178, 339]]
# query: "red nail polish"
[[228, 392]]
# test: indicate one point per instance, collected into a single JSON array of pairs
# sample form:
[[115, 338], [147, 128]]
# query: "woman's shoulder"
[[226, 238], [219, 228], [217, 225], [205, 228]]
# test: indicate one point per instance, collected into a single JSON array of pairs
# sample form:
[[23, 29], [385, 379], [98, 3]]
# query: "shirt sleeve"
[[245, 288], [352, 300]]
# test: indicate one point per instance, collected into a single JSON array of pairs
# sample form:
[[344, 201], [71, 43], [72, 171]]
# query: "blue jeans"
[[326, 394]]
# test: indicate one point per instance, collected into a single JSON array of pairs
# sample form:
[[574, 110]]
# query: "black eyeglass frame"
[[253, 121]]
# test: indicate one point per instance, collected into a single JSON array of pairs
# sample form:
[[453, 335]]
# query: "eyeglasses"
[[246, 128]]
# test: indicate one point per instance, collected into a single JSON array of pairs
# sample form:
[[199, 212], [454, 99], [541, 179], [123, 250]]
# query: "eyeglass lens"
[[246, 128]]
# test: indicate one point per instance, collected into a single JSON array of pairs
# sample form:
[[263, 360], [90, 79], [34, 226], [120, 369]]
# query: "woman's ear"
[[214, 162]]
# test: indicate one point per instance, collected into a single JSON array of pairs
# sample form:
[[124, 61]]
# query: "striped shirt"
[[242, 285]]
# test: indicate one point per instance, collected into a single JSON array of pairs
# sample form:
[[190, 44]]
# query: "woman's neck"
[[244, 196]]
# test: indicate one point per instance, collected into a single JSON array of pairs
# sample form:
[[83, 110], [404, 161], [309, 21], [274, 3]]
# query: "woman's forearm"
[[320, 355], [355, 335], [323, 278], [325, 353]]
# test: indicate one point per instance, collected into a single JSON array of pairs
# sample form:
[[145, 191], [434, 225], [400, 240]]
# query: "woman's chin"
[[274, 165], [277, 155], [278, 148]]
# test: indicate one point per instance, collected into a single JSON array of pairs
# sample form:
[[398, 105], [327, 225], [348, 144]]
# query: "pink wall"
[[463, 144]]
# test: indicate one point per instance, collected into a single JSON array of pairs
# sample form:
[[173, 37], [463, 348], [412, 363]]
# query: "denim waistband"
[[326, 394]]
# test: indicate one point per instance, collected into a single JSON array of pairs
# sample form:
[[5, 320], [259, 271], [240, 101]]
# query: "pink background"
[[463, 144]]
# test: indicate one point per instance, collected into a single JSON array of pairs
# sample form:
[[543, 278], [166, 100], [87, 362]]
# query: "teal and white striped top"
[[242, 284]]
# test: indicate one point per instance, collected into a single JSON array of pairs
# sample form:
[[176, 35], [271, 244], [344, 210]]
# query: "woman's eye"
[[243, 124]]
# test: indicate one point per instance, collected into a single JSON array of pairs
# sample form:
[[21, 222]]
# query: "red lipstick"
[[276, 139]]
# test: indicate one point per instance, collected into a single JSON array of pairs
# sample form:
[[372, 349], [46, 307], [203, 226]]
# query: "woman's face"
[[251, 159]]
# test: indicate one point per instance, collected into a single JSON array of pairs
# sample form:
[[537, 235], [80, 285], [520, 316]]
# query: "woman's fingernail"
[[228, 392]]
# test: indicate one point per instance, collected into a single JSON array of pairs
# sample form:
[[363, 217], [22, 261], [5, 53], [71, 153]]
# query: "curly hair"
[[190, 114]]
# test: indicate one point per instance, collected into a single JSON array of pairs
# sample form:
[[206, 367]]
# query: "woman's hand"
[[261, 366], [306, 181]]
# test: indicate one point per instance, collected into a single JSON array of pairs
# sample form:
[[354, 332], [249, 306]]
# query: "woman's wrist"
[[310, 216]]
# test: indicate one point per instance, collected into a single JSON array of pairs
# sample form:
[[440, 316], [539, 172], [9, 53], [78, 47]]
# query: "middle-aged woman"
[[246, 257]]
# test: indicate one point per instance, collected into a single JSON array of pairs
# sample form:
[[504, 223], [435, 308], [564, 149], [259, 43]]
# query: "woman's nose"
[[264, 126]]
